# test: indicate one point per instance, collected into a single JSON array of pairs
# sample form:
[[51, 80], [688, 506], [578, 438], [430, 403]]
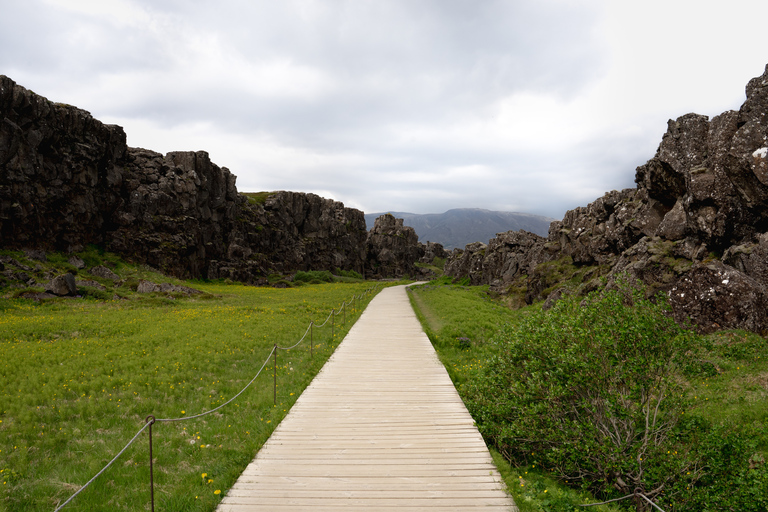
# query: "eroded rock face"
[[392, 248], [60, 172], [176, 211], [717, 296], [501, 261], [699, 214], [67, 180]]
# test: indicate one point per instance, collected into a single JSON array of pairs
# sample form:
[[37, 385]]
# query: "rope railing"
[[298, 342], [102, 469], [206, 413], [151, 420]]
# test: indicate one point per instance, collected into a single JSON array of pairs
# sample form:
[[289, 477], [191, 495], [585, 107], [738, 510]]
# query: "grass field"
[[727, 381], [79, 377]]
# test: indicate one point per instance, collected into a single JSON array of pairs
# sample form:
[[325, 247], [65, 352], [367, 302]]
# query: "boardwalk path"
[[381, 428]]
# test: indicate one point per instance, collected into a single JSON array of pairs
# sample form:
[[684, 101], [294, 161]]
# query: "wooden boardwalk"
[[381, 428]]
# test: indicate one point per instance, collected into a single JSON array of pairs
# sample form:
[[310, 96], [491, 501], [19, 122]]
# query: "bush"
[[589, 391], [95, 293], [313, 275], [730, 473], [349, 273], [132, 283]]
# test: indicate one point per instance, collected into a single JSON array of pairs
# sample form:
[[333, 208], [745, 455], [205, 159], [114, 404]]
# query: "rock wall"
[[67, 180], [695, 227], [394, 250], [60, 172]]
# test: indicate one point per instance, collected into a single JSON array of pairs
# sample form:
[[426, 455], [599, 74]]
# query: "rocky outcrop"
[[392, 249], [67, 180], [502, 260], [290, 231], [150, 287], [175, 211], [695, 227]]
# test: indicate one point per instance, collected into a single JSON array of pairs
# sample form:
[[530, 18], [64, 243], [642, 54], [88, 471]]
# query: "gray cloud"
[[387, 105]]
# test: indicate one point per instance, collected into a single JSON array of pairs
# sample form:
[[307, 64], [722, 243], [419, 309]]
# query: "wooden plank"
[[381, 428]]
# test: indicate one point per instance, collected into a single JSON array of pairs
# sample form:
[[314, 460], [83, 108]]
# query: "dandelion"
[[217, 491]]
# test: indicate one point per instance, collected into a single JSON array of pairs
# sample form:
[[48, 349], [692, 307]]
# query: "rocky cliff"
[[394, 250], [68, 180], [695, 227]]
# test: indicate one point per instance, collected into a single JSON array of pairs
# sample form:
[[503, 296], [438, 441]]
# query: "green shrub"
[[589, 391], [257, 197], [95, 293], [349, 273], [132, 283], [730, 473], [18, 292], [313, 275]]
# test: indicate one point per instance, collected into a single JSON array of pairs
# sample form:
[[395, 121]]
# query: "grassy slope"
[[79, 377]]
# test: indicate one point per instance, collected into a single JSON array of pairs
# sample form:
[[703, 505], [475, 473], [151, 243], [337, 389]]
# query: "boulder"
[[76, 262], [62, 285], [36, 254], [147, 287], [750, 258], [104, 273], [150, 287]]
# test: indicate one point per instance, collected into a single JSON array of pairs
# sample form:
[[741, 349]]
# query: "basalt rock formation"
[[68, 180], [695, 227], [394, 250]]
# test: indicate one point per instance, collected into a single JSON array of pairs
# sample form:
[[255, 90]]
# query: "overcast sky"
[[535, 106]]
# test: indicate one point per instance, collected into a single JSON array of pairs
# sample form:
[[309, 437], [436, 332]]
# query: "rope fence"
[[151, 420]]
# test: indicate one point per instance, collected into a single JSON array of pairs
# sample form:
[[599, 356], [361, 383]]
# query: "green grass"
[[534, 491], [257, 197], [92, 256], [460, 321], [729, 381], [79, 377]]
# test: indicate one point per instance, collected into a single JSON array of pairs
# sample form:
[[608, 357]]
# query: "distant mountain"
[[462, 226]]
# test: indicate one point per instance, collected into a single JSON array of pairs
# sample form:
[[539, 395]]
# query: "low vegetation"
[[79, 377], [257, 197], [589, 401], [598, 397]]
